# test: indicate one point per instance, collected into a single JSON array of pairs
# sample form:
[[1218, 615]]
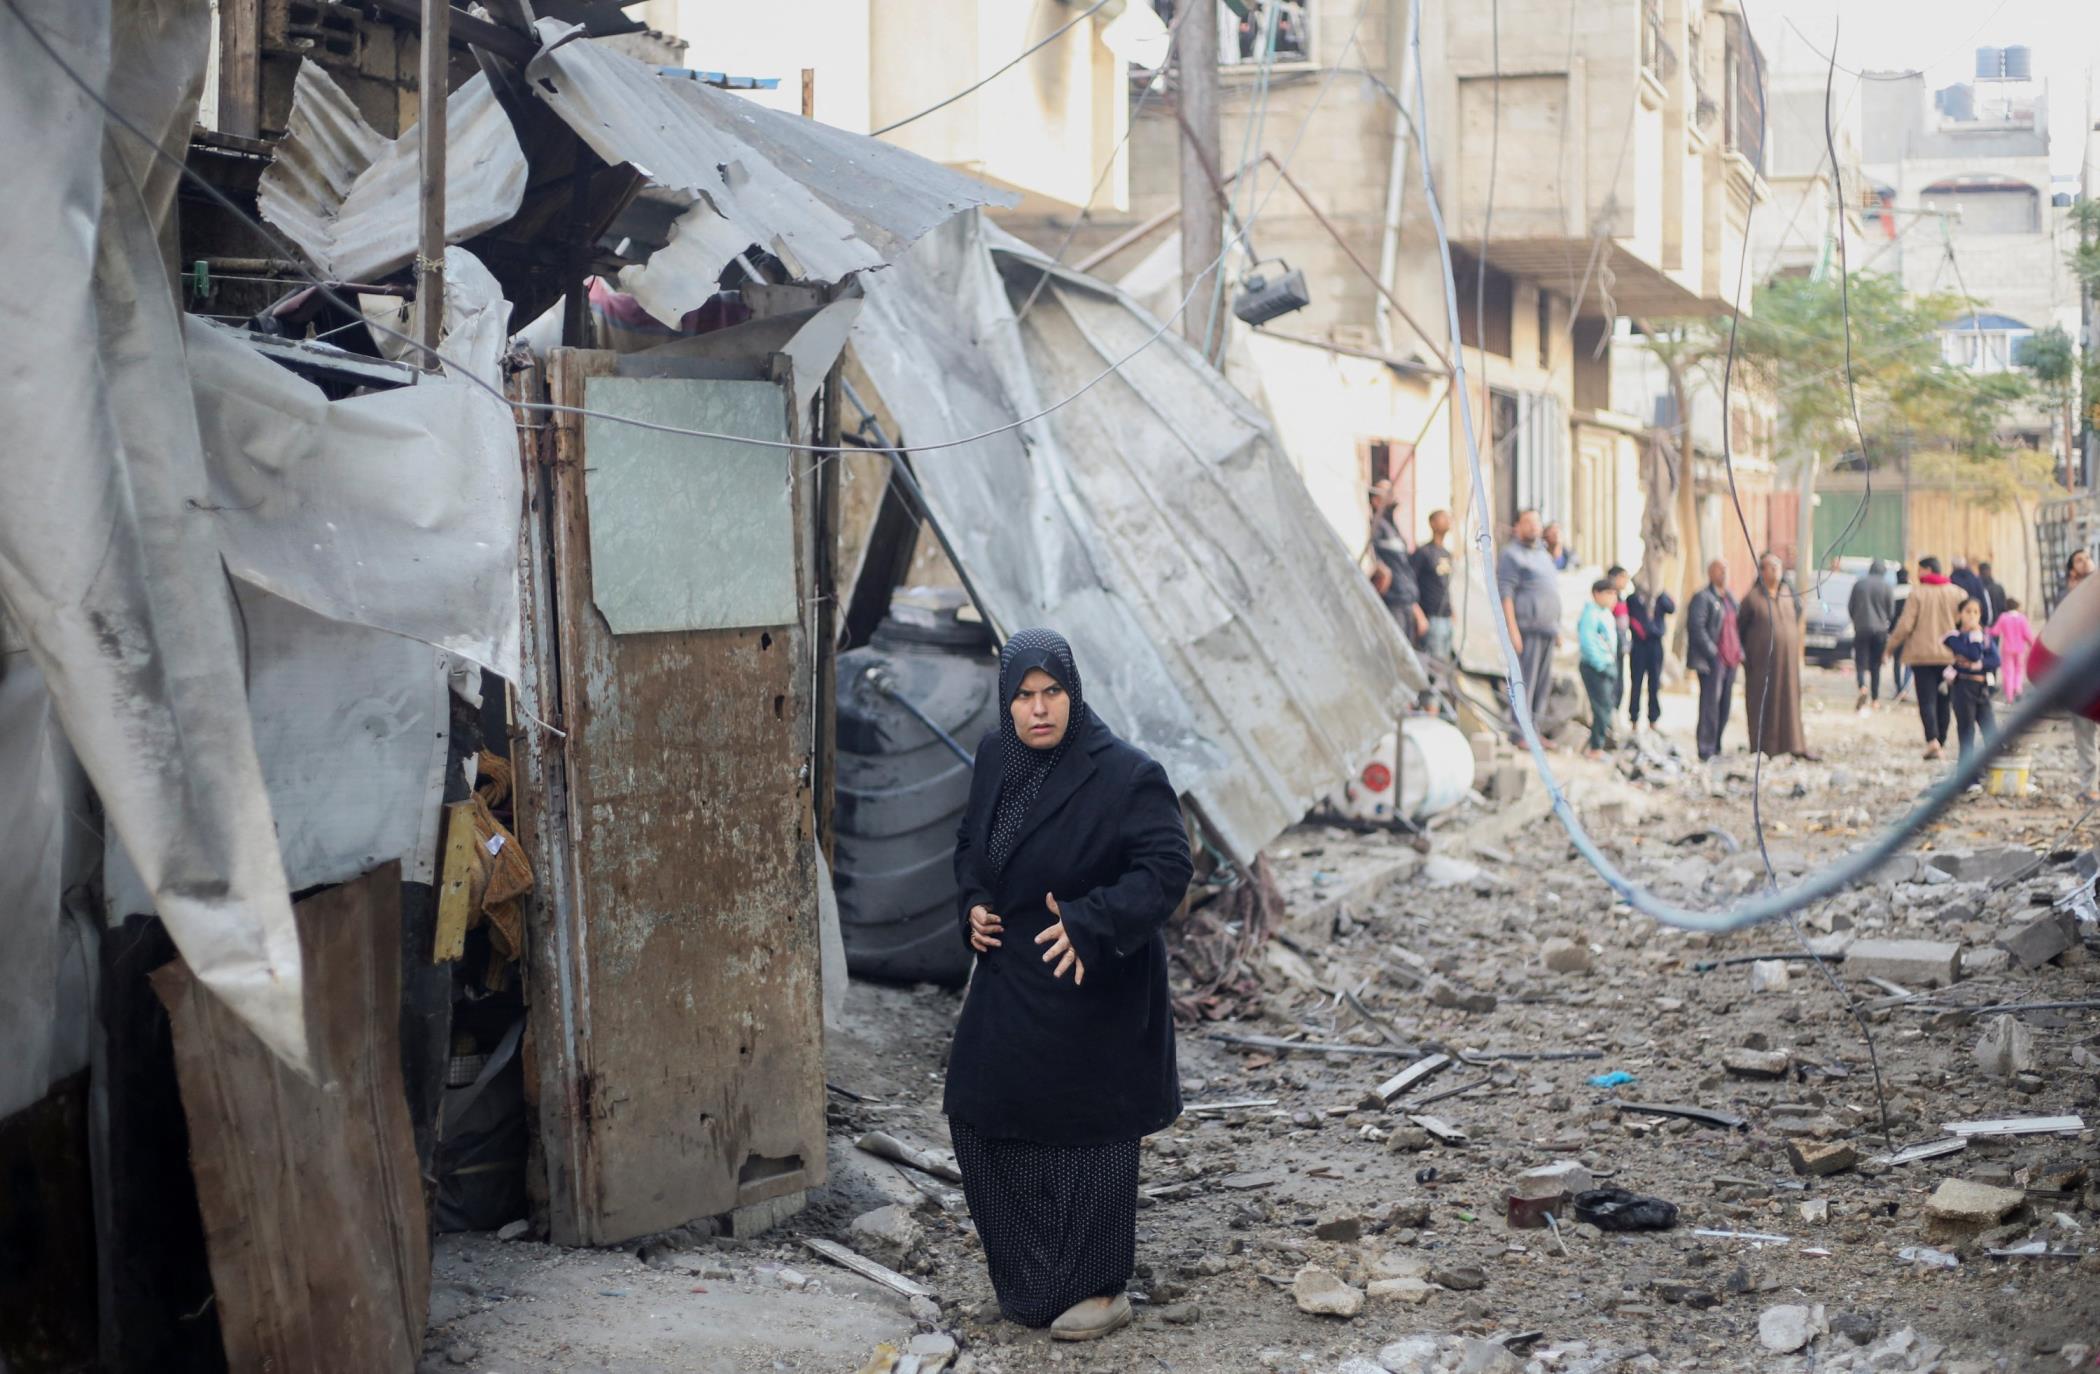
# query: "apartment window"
[[1591, 340], [1243, 25], [1985, 343], [1475, 279], [1742, 67], [1545, 328]]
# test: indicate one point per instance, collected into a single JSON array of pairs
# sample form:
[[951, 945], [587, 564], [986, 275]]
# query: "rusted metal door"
[[667, 710]]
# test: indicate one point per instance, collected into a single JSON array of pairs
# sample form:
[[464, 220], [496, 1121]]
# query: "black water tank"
[[901, 791]]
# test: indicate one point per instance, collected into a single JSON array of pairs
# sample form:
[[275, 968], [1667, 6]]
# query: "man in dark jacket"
[[1994, 595], [1873, 611], [1964, 577], [1396, 582], [1713, 650], [1645, 615]]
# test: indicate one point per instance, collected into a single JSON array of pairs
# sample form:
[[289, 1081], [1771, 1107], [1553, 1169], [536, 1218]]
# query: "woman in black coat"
[[1070, 859]]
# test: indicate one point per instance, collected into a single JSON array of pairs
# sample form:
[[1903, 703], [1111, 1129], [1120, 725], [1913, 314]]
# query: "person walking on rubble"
[[1070, 858], [1921, 633], [1713, 648], [1530, 589]]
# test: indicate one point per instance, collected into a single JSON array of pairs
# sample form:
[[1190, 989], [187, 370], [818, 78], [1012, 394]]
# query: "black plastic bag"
[[1615, 1209]]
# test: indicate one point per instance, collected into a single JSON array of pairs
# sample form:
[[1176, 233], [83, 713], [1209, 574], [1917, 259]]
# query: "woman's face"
[[1041, 710]]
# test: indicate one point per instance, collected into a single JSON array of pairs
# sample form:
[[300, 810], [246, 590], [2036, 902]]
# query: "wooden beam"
[[455, 911], [240, 68], [435, 85]]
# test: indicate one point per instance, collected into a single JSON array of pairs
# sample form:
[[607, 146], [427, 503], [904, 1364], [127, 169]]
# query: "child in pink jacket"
[[2015, 637]]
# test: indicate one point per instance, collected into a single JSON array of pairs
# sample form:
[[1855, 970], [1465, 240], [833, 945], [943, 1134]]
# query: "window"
[[1499, 302], [1242, 26], [1744, 117], [1656, 55], [1984, 343]]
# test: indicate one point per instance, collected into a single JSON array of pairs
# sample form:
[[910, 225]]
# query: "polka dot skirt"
[[1058, 1222]]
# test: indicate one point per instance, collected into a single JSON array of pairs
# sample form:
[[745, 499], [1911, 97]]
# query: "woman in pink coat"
[[2015, 637]]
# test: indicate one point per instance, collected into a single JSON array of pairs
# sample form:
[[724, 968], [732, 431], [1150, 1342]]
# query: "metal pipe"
[[430, 149], [1396, 183]]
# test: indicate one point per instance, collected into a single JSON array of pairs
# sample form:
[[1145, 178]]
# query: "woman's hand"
[[1062, 950], [984, 927]]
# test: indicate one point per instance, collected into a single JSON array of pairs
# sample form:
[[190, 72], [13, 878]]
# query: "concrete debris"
[[516, 1230], [1465, 1278], [1403, 1289], [1980, 961], [1757, 1063], [1914, 963], [1561, 955], [1815, 1211], [1442, 870], [891, 1234], [933, 1345], [1960, 1208], [1927, 1257], [1321, 1293], [1768, 975], [1343, 1227], [1411, 1355], [1489, 1357], [2006, 1048], [1993, 867], [1819, 1160], [2046, 937], [1784, 1330]]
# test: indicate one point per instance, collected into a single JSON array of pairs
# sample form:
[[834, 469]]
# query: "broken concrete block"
[[1982, 960], [1819, 1160], [1768, 975], [1994, 867], [1321, 1293], [2006, 1048], [2041, 939], [1398, 1264], [1564, 956], [516, 1230], [1960, 1208], [1344, 1227], [1913, 963], [1757, 1063], [1411, 1355], [1489, 1357], [1403, 1289], [889, 1233], [1565, 1177], [1783, 1330], [1464, 1278], [1815, 1211]]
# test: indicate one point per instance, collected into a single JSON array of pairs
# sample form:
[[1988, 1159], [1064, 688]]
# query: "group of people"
[[1414, 581]]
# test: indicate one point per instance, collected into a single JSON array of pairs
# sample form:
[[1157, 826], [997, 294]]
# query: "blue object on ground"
[[1617, 1078]]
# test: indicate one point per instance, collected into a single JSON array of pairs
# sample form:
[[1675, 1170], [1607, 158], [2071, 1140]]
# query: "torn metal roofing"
[[1154, 520], [824, 201], [347, 194]]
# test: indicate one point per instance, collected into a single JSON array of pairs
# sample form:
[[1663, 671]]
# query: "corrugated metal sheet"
[[1154, 521], [824, 201], [346, 193]]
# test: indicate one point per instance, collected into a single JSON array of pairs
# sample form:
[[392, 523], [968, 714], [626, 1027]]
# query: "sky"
[[1941, 37]]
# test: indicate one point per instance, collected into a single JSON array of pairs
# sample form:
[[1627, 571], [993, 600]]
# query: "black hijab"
[[1026, 767]]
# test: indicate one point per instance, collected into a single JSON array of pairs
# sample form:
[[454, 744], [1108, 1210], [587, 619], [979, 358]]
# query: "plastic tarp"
[[109, 566], [348, 195], [396, 509], [824, 201], [1154, 521]]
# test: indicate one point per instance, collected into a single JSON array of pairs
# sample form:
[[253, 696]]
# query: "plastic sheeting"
[[397, 509], [347, 194], [1154, 521], [352, 726], [824, 201], [108, 564]]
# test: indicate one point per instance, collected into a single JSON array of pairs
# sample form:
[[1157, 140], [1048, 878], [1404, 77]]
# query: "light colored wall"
[[831, 36]]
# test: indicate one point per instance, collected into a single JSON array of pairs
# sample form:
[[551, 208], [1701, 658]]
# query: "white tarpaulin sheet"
[[347, 194], [1153, 521], [352, 726], [109, 565], [396, 509]]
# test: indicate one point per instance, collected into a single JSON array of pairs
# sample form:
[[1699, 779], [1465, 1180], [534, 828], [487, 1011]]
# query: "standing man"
[[1530, 587], [1873, 611], [1994, 597], [1971, 585], [1713, 650], [1769, 621], [1646, 613], [1395, 577], [1432, 566], [1561, 555]]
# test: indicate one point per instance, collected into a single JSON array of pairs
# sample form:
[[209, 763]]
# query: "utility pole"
[[430, 148], [1202, 213]]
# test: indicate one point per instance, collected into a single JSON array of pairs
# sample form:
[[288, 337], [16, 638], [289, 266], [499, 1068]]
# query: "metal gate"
[[2061, 528]]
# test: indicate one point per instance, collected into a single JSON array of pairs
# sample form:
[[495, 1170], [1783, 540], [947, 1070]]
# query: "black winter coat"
[[1040, 1058]]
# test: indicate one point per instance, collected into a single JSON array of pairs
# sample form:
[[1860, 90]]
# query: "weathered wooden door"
[[676, 1010]]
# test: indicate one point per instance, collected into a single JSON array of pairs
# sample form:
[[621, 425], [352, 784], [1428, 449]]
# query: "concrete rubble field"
[[1310, 1225]]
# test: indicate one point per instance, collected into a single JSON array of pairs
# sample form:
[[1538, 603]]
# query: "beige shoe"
[[1092, 1319]]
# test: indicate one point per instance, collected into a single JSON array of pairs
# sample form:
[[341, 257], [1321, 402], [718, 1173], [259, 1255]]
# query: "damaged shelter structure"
[[420, 771]]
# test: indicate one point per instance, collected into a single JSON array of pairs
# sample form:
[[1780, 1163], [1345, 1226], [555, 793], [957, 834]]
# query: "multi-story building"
[[1968, 206]]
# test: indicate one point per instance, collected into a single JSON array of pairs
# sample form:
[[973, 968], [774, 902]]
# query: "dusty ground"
[[1250, 1192]]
